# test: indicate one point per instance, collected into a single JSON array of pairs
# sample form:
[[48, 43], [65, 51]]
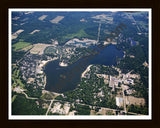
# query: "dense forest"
[[23, 106]]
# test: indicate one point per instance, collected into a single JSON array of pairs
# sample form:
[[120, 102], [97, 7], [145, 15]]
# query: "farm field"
[[20, 45], [39, 48], [57, 19], [42, 17], [15, 35]]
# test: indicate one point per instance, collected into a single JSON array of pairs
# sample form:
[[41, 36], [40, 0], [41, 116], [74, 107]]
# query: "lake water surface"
[[62, 79]]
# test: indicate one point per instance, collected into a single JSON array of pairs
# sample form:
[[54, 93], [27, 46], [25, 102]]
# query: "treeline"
[[138, 109], [82, 109]]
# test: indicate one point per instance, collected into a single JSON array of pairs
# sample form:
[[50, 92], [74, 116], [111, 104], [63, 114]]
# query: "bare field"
[[42, 17], [135, 101], [15, 35], [103, 111], [16, 18], [57, 19], [103, 17], [39, 48], [36, 30]]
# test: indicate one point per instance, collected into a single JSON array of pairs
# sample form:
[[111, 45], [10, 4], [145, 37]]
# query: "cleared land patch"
[[103, 111], [103, 17], [15, 35], [34, 31], [39, 48], [15, 18], [135, 101], [29, 12], [42, 17], [57, 19]]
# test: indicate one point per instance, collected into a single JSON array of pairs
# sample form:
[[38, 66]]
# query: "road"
[[98, 107], [99, 29], [33, 98], [124, 100], [49, 107], [24, 55], [132, 18]]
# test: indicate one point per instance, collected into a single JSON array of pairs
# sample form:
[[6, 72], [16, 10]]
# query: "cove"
[[58, 82]]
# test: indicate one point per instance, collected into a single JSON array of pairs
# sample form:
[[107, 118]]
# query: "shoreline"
[[62, 64], [107, 43], [124, 52], [78, 40], [55, 93], [87, 69], [42, 65], [45, 81], [44, 62]]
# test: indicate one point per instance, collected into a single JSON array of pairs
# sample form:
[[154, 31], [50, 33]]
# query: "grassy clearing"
[[48, 96], [27, 48], [79, 34], [20, 45]]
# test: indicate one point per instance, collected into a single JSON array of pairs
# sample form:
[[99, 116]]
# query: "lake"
[[62, 79]]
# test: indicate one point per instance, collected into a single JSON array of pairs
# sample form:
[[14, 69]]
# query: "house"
[[119, 101]]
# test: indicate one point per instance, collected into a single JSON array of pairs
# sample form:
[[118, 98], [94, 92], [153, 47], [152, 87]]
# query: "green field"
[[20, 45], [80, 34]]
